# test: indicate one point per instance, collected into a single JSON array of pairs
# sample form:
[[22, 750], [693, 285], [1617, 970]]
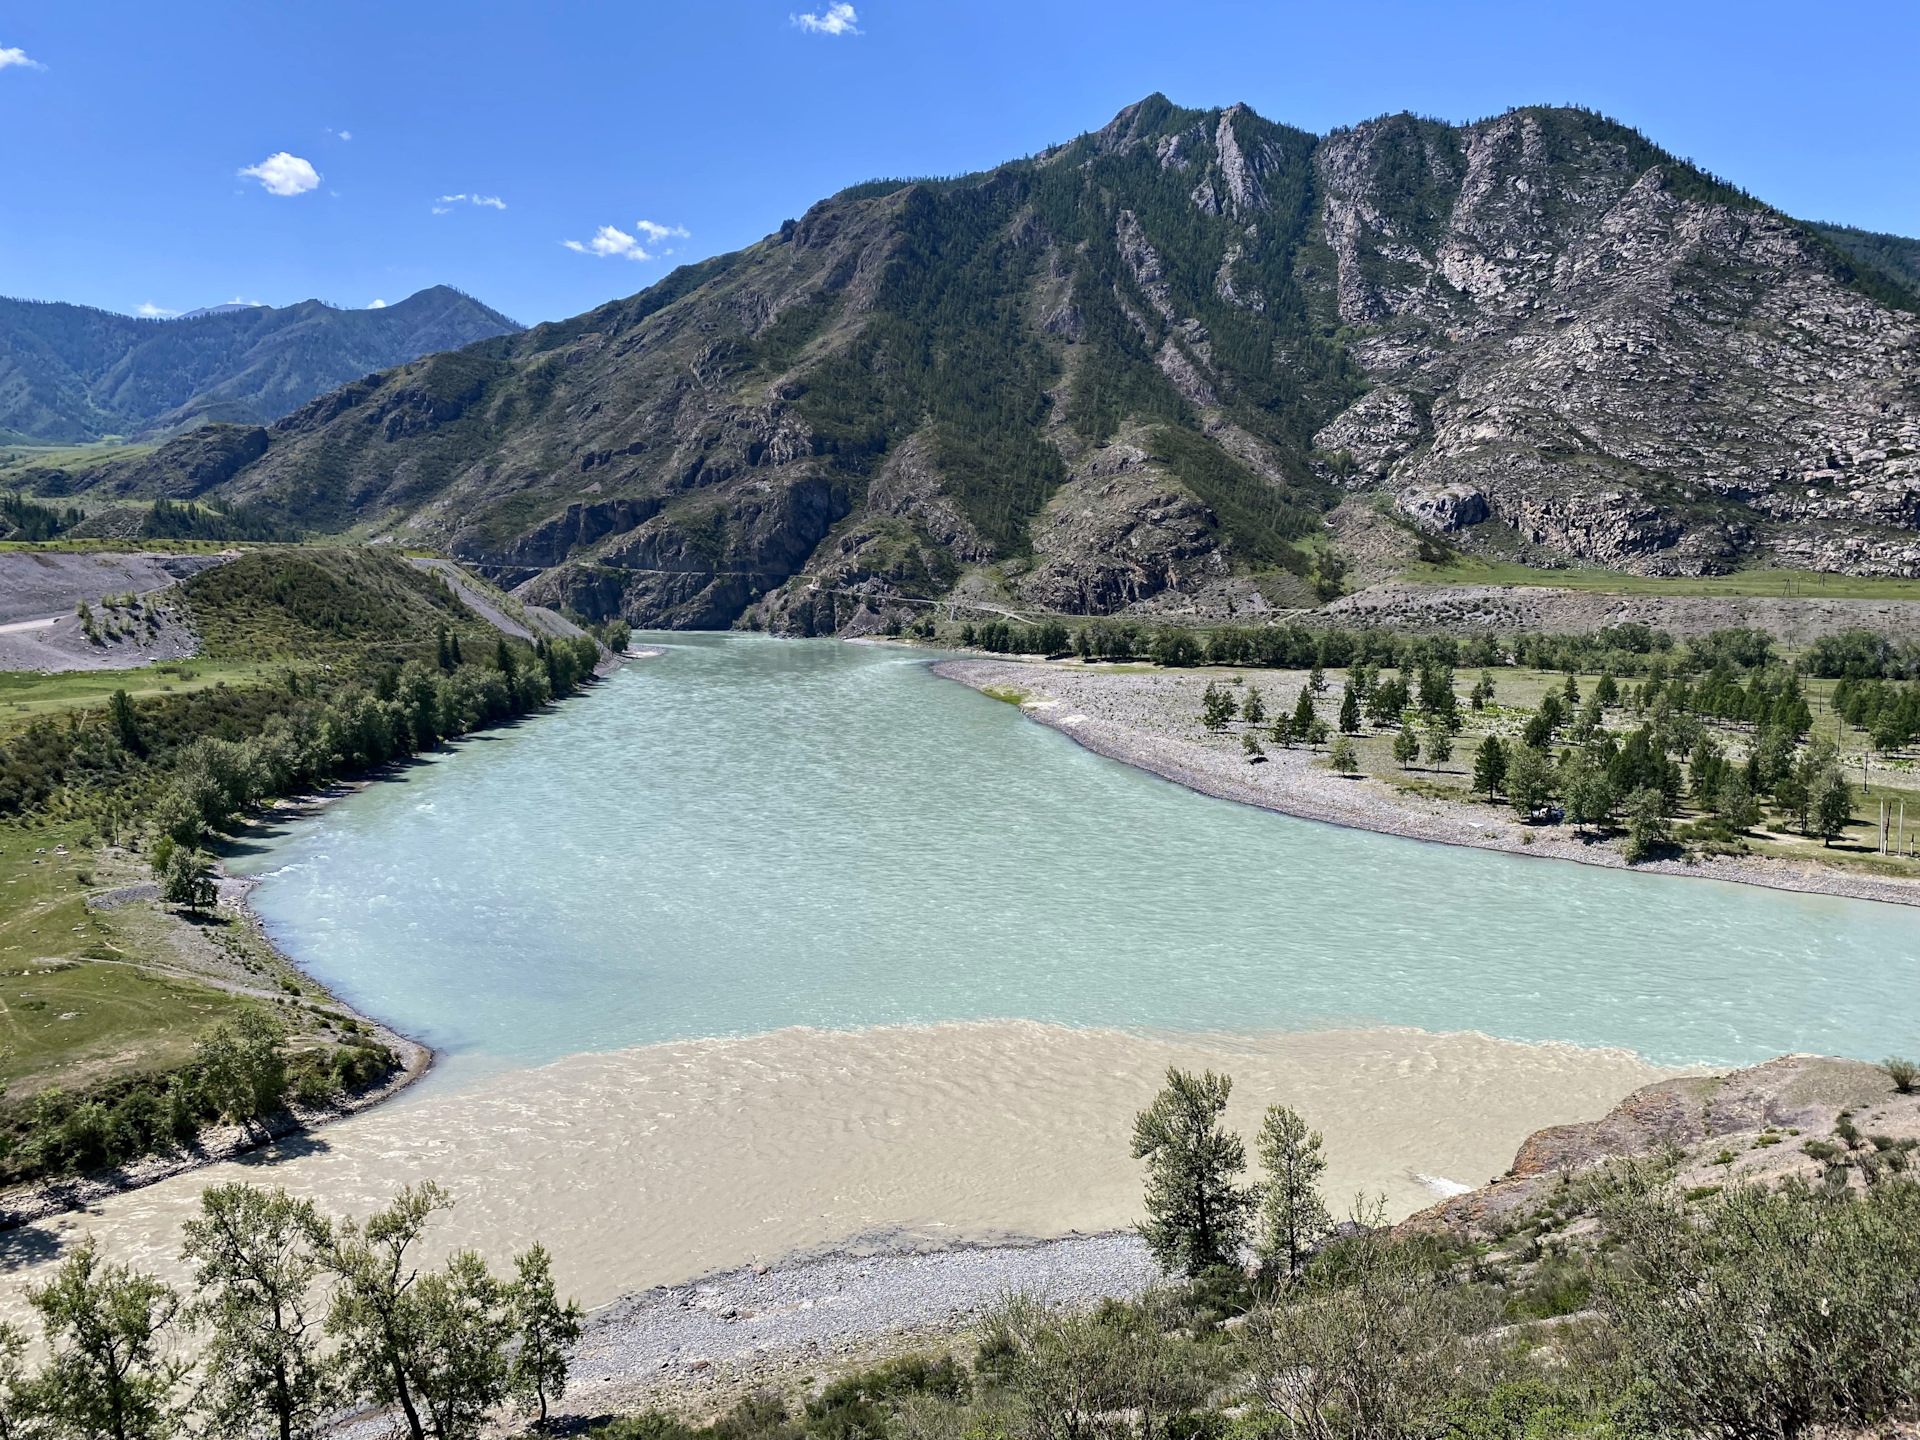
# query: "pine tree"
[[1350, 710], [1317, 679], [1292, 1213], [1303, 711], [1196, 1213], [1344, 757], [1571, 692], [1490, 766], [1607, 692], [1439, 740], [1217, 707], [1406, 747], [1254, 708]]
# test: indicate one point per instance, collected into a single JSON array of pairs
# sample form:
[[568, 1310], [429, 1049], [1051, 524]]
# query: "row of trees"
[[405, 710], [300, 1316], [1630, 650]]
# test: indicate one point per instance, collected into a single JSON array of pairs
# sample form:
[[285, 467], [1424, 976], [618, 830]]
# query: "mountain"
[[1194, 360], [70, 374]]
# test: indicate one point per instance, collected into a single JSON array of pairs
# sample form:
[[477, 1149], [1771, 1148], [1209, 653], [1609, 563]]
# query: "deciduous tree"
[[1196, 1212], [543, 1328], [108, 1376], [1292, 1213], [252, 1253]]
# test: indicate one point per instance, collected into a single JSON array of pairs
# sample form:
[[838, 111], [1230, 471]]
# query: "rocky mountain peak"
[[1138, 373]]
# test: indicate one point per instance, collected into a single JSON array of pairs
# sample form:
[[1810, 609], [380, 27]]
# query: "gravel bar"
[[1150, 720], [755, 1327]]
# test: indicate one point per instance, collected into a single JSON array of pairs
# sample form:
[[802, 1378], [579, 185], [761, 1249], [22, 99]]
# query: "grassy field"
[[28, 694], [75, 1004], [1797, 584], [16, 459]]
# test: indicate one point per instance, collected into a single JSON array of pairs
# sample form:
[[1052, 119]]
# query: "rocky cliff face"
[[1138, 371], [1573, 337]]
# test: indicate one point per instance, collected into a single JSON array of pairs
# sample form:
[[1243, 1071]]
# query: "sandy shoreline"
[[1113, 715]]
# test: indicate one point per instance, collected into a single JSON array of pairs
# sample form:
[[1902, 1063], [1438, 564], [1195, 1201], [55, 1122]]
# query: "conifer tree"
[[1254, 708], [1406, 747], [1490, 766], [1303, 710], [1217, 707], [1350, 710]]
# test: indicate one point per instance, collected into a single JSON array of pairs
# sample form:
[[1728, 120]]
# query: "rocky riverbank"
[[1149, 719]]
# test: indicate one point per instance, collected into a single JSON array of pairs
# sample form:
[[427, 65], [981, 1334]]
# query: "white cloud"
[[284, 174], [16, 56], [446, 202], [378, 305], [346, 134], [151, 311], [609, 241], [835, 20]]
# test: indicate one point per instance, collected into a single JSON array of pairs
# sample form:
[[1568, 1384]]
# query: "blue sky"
[[125, 127]]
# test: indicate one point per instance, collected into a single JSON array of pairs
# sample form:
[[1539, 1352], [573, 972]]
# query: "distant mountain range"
[[1194, 362], [70, 374]]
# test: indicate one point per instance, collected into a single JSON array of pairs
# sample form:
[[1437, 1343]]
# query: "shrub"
[[1903, 1073], [1767, 1312]]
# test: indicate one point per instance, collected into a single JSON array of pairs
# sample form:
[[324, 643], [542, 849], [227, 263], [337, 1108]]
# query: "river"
[[747, 833]]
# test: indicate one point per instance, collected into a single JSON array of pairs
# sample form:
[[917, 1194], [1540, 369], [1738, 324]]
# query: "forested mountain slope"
[[69, 373], [1145, 365]]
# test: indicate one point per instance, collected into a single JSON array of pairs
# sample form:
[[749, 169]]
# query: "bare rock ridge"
[[1144, 366], [1805, 1116]]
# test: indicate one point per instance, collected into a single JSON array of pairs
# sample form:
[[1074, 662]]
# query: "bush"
[[1766, 1312], [1903, 1073]]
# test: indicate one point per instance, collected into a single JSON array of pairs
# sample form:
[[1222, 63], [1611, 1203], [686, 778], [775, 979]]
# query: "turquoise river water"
[[748, 833]]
